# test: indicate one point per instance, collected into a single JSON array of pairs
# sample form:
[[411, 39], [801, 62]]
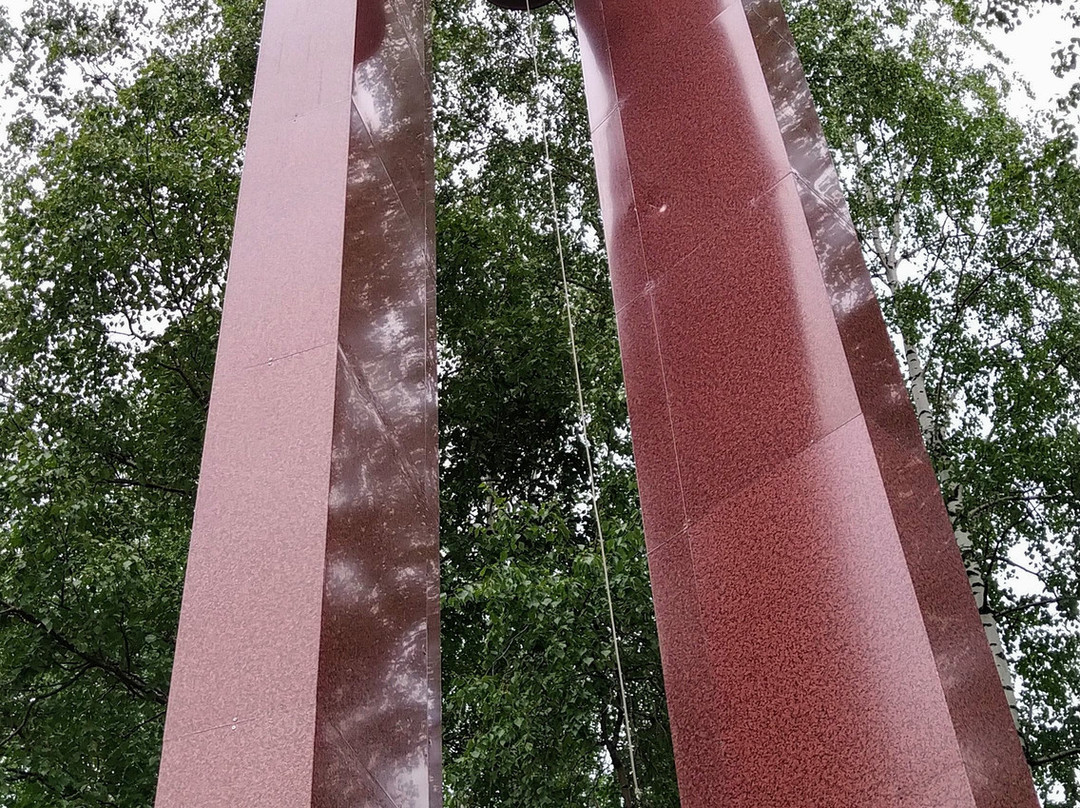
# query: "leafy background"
[[119, 180]]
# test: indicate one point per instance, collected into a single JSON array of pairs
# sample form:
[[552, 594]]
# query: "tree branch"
[[1046, 761], [1015, 498], [1020, 607], [126, 483], [132, 682], [199, 394], [36, 700]]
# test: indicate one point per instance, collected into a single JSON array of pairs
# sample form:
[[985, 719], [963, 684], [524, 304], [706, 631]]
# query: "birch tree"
[[968, 222]]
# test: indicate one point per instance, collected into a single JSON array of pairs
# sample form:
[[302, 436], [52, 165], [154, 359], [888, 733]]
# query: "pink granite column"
[[306, 669], [820, 644]]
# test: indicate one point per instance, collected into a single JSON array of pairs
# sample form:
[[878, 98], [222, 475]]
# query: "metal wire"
[[583, 421]]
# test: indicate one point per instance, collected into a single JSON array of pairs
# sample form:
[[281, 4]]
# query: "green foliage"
[[117, 216], [532, 714], [119, 183], [532, 696]]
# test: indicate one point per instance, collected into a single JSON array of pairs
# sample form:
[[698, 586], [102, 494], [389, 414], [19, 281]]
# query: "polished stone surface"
[[989, 746], [819, 639], [307, 671]]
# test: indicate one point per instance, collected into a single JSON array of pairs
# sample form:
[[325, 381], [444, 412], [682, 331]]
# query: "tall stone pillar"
[[306, 670], [820, 643]]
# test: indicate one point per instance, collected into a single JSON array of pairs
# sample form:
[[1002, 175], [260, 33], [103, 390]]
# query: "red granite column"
[[306, 670], [821, 646]]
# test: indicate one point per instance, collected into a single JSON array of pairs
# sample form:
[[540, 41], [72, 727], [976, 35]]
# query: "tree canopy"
[[119, 181]]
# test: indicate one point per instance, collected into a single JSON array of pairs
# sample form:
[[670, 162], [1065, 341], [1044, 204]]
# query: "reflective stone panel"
[[377, 694], [819, 640], [306, 671]]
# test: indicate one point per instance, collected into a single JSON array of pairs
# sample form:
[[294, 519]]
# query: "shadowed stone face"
[[819, 638]]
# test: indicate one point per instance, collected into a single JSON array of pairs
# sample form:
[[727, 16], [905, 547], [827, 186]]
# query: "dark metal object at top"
[[520, 5]]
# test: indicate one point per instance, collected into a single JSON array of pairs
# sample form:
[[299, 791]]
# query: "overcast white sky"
[[1029, 48]]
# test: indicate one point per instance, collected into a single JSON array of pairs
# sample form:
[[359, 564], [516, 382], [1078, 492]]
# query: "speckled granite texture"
[[821, 646], [306, 669]]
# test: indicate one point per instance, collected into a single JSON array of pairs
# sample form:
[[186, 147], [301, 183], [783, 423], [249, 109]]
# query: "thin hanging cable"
[[583, 421]]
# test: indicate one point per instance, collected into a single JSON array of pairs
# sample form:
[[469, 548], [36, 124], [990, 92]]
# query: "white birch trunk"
[[954, 501]]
